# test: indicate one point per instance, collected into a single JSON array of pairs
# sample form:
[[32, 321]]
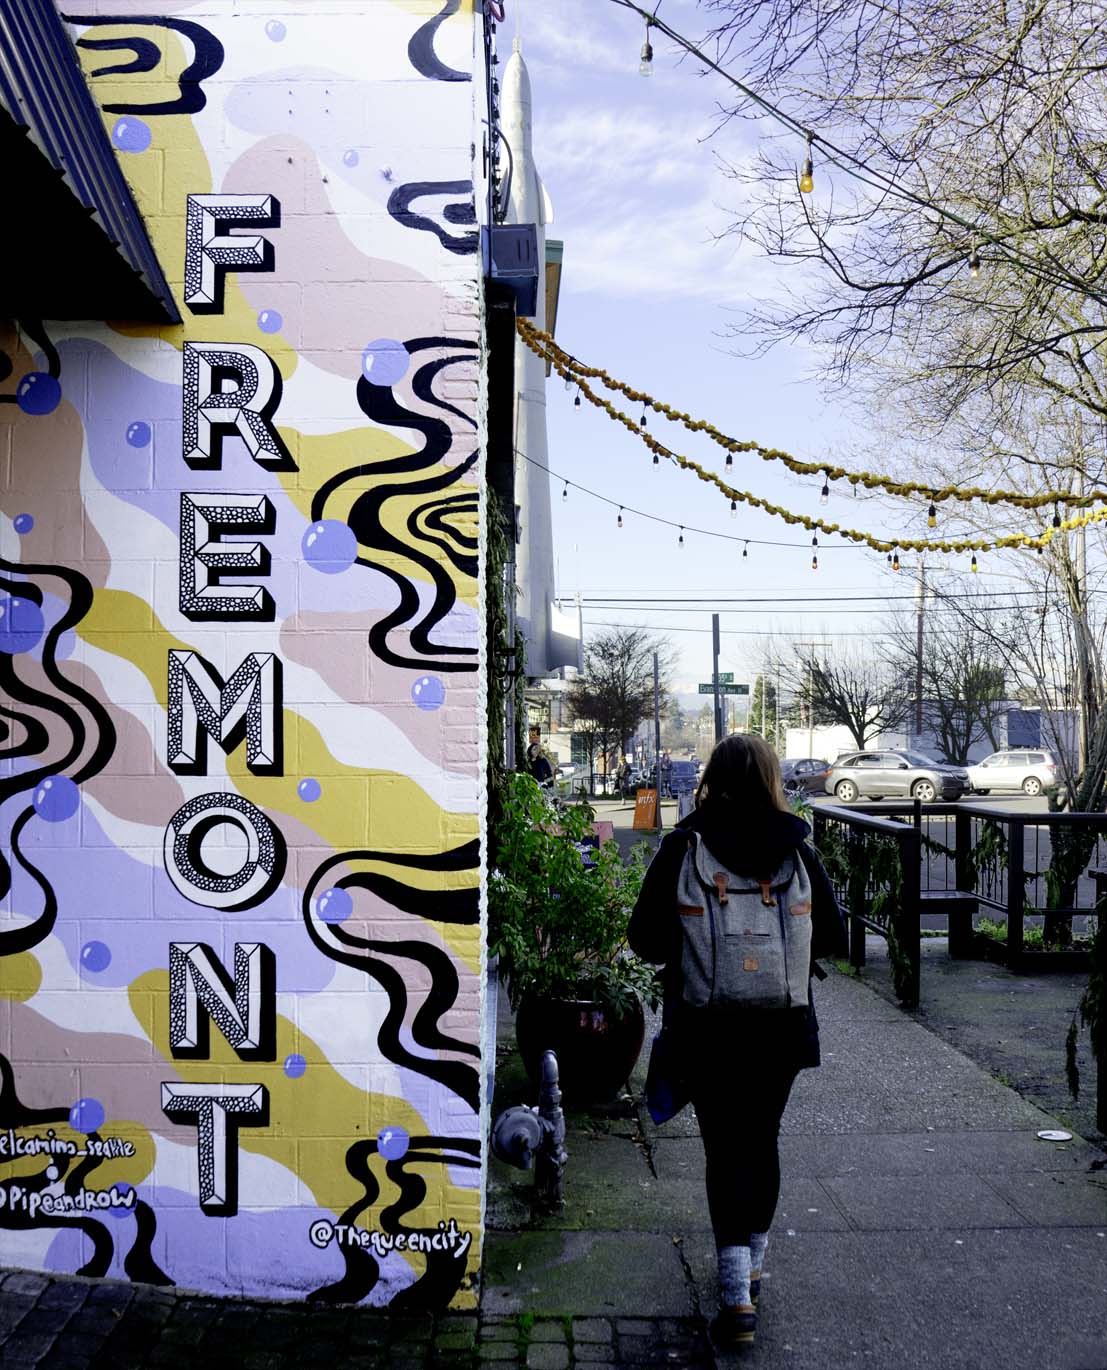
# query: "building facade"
[[240, 675]]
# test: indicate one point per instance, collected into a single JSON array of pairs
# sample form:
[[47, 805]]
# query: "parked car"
[[876, 775], [1031, 772], [806, 775]]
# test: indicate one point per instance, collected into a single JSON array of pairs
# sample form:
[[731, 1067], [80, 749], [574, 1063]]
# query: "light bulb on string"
[[973, 566], [643, 423], [888, 558], [807, 176], [619, 520], [1056, 517], [824, 493], [895, 560], [815, 540], [932, 516], [746, 550], [815, 562], [576, 402], [565, 492], [680, 540], [656, 460], [729, 460], [733, 508], [645, 65], [974, 262]]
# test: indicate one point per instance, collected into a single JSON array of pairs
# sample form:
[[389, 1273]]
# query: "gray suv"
[[895, 775]]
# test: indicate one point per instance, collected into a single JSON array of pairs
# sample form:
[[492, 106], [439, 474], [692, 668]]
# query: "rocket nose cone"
[[515, 89]]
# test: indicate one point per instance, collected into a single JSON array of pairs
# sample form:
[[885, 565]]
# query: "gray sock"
[[734, 1275], [758, 1242]]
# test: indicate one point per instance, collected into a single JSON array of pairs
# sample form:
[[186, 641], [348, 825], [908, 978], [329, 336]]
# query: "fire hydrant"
[[522, 1136]]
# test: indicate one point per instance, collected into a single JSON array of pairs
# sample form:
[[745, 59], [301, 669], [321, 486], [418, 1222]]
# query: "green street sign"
[[726, 677], [726, 687], [707, 689], [734, 689]]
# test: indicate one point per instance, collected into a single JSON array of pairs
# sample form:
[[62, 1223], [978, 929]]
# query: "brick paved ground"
[[69, 1323]]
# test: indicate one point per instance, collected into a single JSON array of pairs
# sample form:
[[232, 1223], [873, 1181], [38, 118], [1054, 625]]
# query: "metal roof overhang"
[[72, 242]]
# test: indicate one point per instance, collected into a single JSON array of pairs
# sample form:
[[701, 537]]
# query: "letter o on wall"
[[191, 874]]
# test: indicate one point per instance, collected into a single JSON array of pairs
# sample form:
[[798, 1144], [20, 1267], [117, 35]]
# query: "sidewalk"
[[922, 1223]]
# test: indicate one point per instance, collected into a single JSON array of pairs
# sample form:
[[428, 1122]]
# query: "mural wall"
[[239, 719]]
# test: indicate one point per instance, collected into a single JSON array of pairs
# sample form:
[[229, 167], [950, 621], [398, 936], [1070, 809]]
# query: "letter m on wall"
[[248, 705]]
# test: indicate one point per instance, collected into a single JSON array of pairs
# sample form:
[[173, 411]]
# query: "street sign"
[[726, 677], [726, 687], [734, 689], [707, 689]]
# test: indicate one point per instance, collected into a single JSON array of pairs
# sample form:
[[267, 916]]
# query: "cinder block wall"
[[240, 788]]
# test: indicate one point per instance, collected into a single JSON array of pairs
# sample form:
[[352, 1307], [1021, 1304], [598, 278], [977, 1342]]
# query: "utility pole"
[[715, 676], [920, 601], [811, 692], [657, 736]]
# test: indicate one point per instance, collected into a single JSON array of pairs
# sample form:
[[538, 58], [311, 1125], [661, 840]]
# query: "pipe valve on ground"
[[524, 1136]]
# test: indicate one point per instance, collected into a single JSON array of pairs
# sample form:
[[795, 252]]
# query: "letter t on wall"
[[217, 1110], [211, 251]]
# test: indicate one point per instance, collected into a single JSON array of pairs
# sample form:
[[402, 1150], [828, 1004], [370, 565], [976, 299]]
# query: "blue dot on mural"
[[309, 790], [138, 434], [392, 1142], [38, 393], [334, 905], [57, 799], [350, 157], [270, 321], [385, 361], [23, 523], [294, 1065], [275, 30], [330, 546], [131, 134], [21, 625], [86, 1115], [95, 957], [428, 692]]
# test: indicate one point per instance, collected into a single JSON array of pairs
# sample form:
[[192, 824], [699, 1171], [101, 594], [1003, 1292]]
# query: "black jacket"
[[752, 844]]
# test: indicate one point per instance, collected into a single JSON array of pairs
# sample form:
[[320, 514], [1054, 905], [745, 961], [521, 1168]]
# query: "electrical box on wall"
[[510, 254]]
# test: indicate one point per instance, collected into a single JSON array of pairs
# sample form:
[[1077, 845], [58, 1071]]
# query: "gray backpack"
[[747, 943]]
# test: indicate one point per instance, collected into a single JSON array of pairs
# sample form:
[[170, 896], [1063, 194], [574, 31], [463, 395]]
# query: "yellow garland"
[[543, 344], [812, 524]]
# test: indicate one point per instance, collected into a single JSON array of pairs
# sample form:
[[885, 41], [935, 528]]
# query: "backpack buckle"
[[720, 884], [766, 893]]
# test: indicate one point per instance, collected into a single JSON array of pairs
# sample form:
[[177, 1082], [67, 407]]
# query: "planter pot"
[[595, 1050]]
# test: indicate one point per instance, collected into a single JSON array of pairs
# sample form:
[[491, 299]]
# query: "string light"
[[576, 402], [680, 540], [1056, 517], [643, 422], [729, 460], [656, 460], [645, 66], [565, 492], [815, 562], [619, 520], [932, 516], [733, 508], [974, 262], [746, 550], [815, 541], [824, 493], [895, 561], [973, 566], [807, 178]]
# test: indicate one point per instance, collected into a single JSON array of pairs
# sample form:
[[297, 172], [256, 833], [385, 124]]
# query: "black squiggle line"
[[15, 1113], [440, 906], [28, 935], [147, 54], [36, 331], [423, 380], [207, 60], [399, 207], [455, 1075], [139, 1261], [419, 527], [421, 53], [444, 510], [455, 859], [37, 737], [443, 1272], [362, 1270]]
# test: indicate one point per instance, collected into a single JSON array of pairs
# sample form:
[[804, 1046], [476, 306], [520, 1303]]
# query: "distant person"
[[742, 1020], [538, 763]]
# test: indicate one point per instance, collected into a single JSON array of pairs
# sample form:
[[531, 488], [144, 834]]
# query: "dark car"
[[806, 775], [894, 775]]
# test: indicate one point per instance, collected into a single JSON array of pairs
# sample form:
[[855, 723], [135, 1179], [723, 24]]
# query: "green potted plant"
[[558, 914]]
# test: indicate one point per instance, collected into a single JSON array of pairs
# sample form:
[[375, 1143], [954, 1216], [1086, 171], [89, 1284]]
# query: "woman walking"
[[737, 906]]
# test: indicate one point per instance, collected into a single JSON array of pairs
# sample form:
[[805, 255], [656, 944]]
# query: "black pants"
[[739, 1104]]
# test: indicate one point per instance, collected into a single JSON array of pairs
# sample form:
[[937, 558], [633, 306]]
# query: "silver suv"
[[893, 775], [1029, 771]]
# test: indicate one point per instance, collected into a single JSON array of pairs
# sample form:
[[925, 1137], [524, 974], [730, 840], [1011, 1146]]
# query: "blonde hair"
[[744, 769]]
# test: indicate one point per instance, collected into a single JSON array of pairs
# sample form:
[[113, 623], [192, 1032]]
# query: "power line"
[[731, 632], [858, 168], [659, 600]]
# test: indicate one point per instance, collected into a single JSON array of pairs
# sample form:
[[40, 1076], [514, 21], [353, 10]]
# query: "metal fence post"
[[910, 923], [1016, 854]]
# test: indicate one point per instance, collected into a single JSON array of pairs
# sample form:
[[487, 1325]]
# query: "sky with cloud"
[[651, 281]]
